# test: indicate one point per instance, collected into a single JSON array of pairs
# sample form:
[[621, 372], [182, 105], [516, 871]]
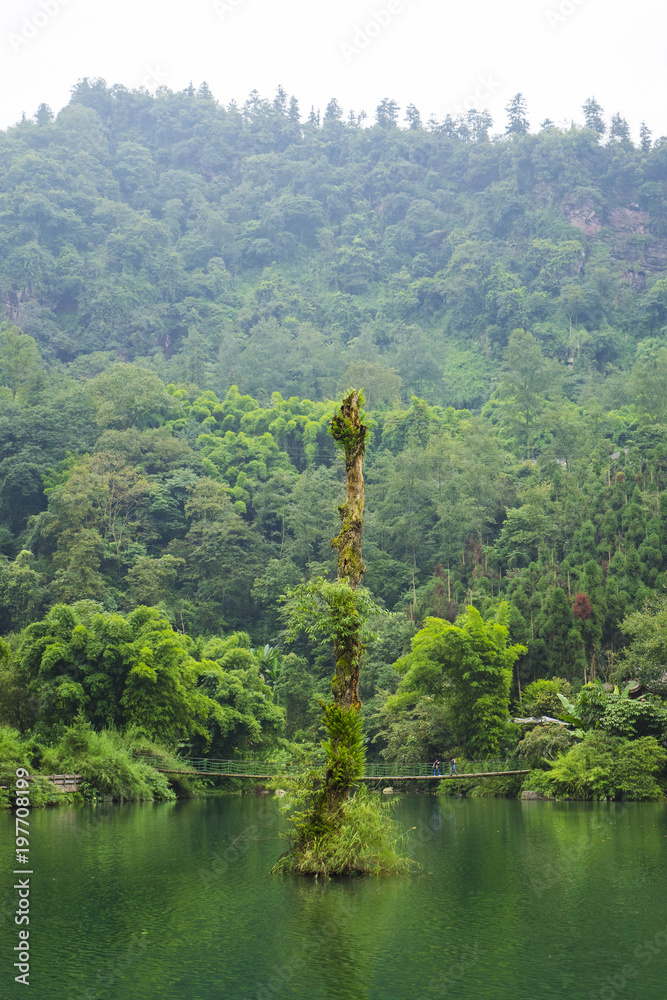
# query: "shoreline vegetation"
[[111, 765], [620, 755], [616, 782]]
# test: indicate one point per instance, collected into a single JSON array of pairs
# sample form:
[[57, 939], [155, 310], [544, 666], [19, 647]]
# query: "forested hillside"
[[186, 289]]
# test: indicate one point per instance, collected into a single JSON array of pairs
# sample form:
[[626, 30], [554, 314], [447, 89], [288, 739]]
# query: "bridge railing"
[[272, 769], [398, 770], [244, 768]]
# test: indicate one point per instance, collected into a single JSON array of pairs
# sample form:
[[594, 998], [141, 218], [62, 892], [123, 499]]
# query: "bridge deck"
[[236, 769], [271, 771], [440, 777]]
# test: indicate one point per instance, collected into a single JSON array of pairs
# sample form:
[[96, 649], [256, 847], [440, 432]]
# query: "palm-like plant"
[[271, 665], [590, 707]]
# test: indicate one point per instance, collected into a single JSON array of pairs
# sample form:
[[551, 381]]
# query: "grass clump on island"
[[333, 829], [360, 837]]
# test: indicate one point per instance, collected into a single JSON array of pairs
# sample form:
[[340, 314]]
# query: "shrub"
[[541, 697], [543, 744], [605, 767], [632, 719], [18, 752], [416, 735], [107, 765], [483, 788], [591, 704], [14, 752]]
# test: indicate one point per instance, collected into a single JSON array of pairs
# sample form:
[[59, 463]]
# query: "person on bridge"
[[436, 768], [452, 766]]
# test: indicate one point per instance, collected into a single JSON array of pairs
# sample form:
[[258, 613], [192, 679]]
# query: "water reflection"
[[512, 900]]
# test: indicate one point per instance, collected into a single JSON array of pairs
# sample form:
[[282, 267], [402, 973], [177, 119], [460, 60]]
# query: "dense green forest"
[[187, 287]]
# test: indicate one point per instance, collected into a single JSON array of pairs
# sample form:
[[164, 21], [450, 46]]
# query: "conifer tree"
[[517, 112], [593, 116], [619, 129], [645, 134]]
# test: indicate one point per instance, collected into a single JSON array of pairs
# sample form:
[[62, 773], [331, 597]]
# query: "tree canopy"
[[186, 288]]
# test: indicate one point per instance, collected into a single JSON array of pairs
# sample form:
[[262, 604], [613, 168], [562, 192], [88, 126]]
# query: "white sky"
[[433, 53]]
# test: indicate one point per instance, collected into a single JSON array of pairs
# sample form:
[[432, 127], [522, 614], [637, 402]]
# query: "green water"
[[514, 900]]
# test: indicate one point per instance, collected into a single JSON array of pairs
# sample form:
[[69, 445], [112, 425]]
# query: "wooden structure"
[[66, 782]]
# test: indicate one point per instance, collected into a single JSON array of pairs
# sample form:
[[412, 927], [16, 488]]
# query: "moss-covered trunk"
[[348, 430], [335, 833], [345, 747]]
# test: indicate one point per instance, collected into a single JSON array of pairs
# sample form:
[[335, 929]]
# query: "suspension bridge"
[[270, 770]]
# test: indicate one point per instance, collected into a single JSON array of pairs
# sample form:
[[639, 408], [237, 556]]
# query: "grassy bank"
[[118, 766]]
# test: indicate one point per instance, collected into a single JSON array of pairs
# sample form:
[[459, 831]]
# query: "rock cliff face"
[[627, 232], [583, 217]]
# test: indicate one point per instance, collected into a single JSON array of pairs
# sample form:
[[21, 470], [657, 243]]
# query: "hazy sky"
[[441, 55]]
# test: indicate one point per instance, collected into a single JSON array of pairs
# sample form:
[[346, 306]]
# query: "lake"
[[556, 901]]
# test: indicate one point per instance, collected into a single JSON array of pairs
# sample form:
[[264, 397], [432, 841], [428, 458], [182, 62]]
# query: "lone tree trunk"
[[345, 752], [347, 429], [332, 833]]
